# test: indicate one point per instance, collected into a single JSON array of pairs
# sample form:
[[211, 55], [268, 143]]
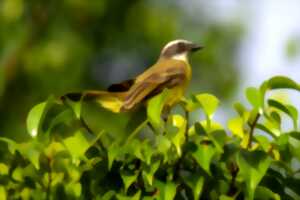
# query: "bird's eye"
[[181, 47]]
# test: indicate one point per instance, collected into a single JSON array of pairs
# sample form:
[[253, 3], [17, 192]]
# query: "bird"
[[172, 71]]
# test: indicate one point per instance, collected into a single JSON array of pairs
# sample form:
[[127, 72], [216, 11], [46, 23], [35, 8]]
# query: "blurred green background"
[[59, 46]]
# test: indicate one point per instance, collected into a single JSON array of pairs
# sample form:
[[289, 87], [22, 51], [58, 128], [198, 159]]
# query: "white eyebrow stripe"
[[174, 42]]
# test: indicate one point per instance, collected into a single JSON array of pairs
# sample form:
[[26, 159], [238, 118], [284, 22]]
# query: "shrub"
[[81, 151]]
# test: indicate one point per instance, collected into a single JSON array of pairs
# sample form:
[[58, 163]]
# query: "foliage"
[[81, 151]]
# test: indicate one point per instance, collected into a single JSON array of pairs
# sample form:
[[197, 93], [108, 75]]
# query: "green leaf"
[[294, 146], [179, 137], [253, 166], [2, 192], [149, 171], [36, 116], [236, 126], [263, 142], [108, 195], [12, 145], [167, 191], [287, 109], [128, 178], [267, 130], [77, 144], [195, 182], [136, 196], [31, 150], [265, 193], [203, 155], [155, 108], [282, 82], [241, 110], [75, 106], [224, 197], [112, 152], [208, 102], [253, 96], [163, 144], [3, 169]]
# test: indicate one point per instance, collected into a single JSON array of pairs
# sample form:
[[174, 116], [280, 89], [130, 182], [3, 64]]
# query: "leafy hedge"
[[81, 151]]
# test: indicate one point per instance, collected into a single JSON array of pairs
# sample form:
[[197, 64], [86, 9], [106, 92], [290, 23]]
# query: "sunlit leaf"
[[167, 191], [3, 169], [242, 111], [36, 116], [253, 97], [263, 142], [253, 166], [236, 126], [155, 108], [2, 192], [287, 109], [267, 130], [208, 102], [179, 137], [77, 144]]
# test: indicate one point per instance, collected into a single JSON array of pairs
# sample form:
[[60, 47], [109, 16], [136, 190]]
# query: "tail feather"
[[112, 101]]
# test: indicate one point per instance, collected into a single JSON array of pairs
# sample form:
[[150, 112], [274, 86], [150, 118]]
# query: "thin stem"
[[49, 178], [136, 131], [252, 127]]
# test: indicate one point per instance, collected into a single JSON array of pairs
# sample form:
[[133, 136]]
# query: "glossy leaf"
[[203, 155], [167, 191], [196, 183], [179, 137], [136, 196], [208, 102], [36, 116], [264, 193], [149, 171], [236, 126], [3, 194], [77, 144], [253, 96], [128, 178], [282, 82], [253, 166], [155, 108], [287, 109]]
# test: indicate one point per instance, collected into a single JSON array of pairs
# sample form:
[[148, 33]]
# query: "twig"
[[252, 127], [49, 178], [234, 171]]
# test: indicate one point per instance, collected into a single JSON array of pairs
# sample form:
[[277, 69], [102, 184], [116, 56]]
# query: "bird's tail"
[[112, 101]]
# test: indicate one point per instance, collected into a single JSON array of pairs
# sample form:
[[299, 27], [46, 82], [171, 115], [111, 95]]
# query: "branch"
[[252, 127]]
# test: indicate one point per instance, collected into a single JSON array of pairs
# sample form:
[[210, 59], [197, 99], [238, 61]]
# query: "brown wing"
[[121, 87], [152, 84]]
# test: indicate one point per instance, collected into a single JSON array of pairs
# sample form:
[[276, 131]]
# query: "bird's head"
[[179, 49]]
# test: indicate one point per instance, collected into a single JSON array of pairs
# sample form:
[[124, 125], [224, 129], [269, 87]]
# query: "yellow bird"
[[172, 71]]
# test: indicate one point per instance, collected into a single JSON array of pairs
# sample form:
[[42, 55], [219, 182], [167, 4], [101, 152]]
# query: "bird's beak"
[[195, 47]]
